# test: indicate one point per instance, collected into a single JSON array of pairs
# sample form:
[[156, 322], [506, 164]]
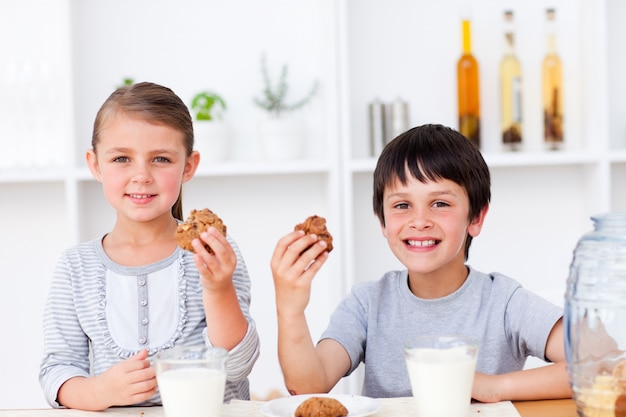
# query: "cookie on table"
[[317, 225], [321, 407], [198, 222]]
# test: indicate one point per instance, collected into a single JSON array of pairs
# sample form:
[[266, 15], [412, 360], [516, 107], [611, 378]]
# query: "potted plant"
[[211, 131], [282, 135], [206, 106]]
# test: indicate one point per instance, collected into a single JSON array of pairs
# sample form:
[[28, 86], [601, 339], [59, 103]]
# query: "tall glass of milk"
[[191, 380], [441, 370]]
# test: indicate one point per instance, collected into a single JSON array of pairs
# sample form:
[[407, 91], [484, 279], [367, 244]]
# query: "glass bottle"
[[552, 81], [595, 317], [468, 90], [510, 89]]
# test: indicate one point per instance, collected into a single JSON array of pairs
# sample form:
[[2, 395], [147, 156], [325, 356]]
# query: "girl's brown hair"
[[153, 103]]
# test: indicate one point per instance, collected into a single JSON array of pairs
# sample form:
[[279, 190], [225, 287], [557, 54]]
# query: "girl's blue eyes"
[[159, 159]]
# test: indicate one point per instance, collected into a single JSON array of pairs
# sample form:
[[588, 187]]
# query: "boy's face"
[[426, 224]]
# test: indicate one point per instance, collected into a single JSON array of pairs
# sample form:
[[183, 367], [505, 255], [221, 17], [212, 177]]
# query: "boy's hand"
[[487, 388], [543, 382], [126, 383], [216, 269], [296, 259]]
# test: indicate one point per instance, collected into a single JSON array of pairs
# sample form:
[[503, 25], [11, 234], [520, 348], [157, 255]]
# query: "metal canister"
[[398, 119], [377, 126]]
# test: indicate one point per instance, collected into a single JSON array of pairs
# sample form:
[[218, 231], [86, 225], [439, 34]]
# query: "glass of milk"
[[441, 370], [191, 380]]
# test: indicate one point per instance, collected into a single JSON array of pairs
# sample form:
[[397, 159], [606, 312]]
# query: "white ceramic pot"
[[212, 139], [282, 138]]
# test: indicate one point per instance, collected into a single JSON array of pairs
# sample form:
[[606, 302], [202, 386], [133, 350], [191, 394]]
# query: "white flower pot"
[[212, 139], [282, 138]]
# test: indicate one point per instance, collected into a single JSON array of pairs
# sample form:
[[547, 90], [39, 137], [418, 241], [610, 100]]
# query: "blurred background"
[[60, 59]]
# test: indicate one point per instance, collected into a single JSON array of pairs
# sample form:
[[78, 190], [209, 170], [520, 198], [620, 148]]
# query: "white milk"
[[192, 392], [441, 380]]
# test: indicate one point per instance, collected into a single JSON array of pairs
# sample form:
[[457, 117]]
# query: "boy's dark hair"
[[429, 153], [153, 103]]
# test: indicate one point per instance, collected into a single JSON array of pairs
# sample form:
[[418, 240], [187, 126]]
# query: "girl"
[[116, 301]]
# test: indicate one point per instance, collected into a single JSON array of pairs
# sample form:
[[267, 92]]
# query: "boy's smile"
[[421, 243]]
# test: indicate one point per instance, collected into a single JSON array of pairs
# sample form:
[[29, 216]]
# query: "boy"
[[431, 196]]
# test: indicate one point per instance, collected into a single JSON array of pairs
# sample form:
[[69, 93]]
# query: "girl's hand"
[[226, 324], [295, 261], [126, 383], [216, 269]]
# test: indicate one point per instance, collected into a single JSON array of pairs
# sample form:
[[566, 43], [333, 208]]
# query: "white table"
[[391, 407]]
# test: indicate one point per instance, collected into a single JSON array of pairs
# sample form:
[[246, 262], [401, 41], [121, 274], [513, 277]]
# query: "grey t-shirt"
[[375, 319]]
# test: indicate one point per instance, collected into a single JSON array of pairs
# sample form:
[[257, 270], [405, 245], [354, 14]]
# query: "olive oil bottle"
[[468, 89], [552, 85], [510, 89]]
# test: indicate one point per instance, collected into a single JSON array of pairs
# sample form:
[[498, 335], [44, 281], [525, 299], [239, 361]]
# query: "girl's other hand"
[[126, 383]]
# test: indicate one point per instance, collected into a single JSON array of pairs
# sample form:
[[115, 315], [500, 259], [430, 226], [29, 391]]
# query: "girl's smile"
[[141, 198]]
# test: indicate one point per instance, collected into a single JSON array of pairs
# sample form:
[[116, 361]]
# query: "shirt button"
[[144, 321], [142, 282], [143, 302], [142, 340]]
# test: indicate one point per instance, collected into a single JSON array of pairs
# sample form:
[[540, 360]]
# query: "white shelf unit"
[[542, 200], [359, 50]]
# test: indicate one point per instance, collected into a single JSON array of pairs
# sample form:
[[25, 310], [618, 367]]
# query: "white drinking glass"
[[441, 370], [191, 380]]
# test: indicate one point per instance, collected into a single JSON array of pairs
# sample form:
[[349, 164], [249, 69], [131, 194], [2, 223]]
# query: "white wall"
[[33, 231], [191, 45], [34, 109]]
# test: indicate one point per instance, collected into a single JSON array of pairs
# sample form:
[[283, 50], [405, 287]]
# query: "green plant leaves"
[[273, 97], [203, 105]]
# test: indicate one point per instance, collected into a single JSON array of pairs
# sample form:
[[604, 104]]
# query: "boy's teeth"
[[421, 242]]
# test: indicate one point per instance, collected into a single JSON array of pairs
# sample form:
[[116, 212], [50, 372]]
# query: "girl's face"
[[426, 224], [141, 166]]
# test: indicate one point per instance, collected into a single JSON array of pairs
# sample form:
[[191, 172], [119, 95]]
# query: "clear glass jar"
[[595, 319]]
